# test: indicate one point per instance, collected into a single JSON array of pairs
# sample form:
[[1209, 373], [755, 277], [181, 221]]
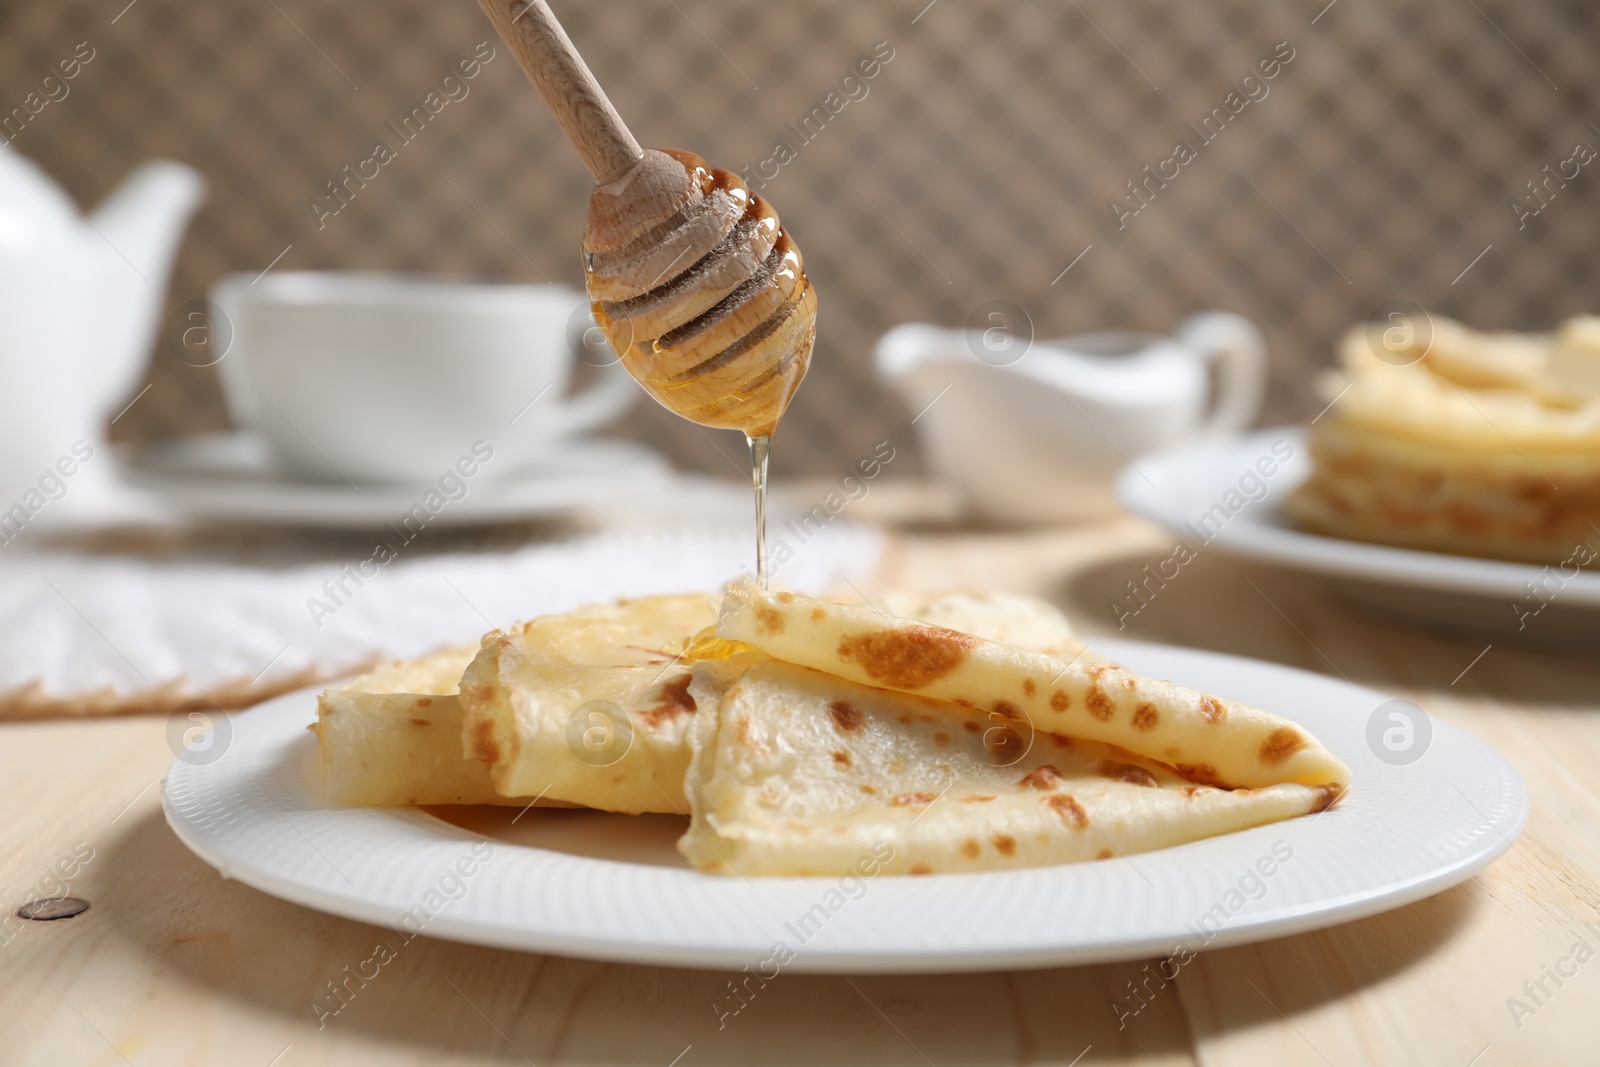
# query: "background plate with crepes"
[[1461, 595]]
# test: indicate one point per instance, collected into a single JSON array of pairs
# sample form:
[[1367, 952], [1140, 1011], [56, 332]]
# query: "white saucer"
[[231, 476], [611, 887]]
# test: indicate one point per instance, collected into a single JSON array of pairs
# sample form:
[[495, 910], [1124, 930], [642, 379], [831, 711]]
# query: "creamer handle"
[[1236, 346]]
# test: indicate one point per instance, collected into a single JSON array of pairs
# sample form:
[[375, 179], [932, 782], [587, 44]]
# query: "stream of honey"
[[760, 451]]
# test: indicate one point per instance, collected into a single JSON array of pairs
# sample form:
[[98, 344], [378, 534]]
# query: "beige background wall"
[[1381, 161]]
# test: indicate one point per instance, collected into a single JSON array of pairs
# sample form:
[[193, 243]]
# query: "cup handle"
[[1239, 351], [612, 393]]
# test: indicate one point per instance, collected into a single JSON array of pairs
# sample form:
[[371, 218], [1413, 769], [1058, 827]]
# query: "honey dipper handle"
[[547, 56]]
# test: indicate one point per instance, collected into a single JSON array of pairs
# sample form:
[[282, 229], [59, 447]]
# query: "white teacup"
[[390, 378]]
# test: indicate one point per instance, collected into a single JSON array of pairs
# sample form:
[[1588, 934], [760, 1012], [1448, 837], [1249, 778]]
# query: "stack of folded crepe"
[[964, 732], [1453, 440]]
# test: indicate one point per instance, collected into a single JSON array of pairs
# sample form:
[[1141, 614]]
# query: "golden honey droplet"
[[707, 645]]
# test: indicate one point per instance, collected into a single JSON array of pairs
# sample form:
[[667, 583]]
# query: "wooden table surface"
[[174, 965]]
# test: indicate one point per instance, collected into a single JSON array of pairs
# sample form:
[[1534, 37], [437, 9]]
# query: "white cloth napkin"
[[85, 633]]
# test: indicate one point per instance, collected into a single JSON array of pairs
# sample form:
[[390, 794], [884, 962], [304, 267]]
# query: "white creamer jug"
[[1038, 434]]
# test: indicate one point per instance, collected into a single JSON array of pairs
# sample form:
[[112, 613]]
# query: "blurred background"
[[982, 163]]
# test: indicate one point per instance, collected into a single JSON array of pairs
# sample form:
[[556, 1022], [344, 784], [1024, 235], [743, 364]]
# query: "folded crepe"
[[591, 707], [796, 772], [790, 770], [393, 737], [1205, 739]]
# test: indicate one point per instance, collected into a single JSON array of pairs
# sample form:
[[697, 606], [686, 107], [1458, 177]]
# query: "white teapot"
[[79, 299], [1035, 433]]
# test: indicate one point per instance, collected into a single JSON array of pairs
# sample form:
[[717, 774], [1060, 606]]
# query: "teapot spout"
[[144, 217], [142, 221]]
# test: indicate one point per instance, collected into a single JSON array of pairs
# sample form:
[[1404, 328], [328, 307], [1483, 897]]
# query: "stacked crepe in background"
[[954, 733], [1484, 444]]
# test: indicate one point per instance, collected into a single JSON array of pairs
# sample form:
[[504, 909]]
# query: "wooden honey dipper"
[[691, 277]]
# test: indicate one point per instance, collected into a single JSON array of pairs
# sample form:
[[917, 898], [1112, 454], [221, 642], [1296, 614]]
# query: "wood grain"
[[173, 965], [552, 63]]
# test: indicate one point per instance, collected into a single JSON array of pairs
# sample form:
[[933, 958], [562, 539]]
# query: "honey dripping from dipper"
[[704, 296]]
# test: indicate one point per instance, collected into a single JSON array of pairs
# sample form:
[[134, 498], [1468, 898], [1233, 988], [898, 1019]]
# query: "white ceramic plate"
[[230, 476], [610, 887], [1175, 487]]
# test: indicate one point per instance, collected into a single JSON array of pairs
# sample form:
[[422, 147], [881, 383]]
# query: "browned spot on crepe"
[[484, 747], [870, 790], [1103, 854], [1070, 810], [1145, 717], [1059, 701], [1028, 688], [977, 798], [747, 734], [842, 758], [1098, 703], [1203, 773], [421, 722], [425, 702], [1060, 742], [908, 799], [1005, 709], [768, 620], [1125, 772], [1005, 844], [1326, 796], [1212, 711], [1005, 745], [921, 868], [969, 848], [818, 614], [1042, 777], [675, 700], [941, 738], [971, 727], [785, 597], [909, 657], [845, 717], [1130, 682], [1280, 744]]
